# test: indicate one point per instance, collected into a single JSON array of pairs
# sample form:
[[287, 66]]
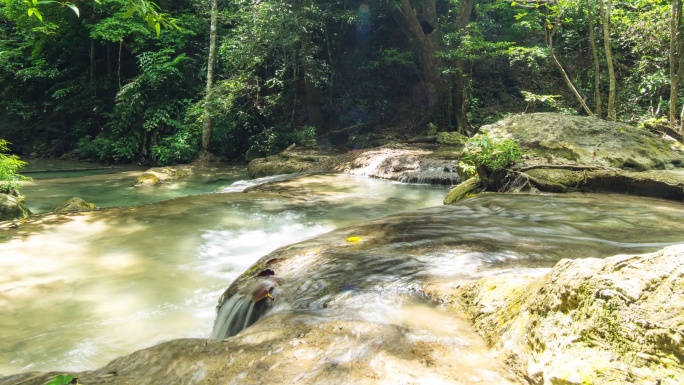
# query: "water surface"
[[79, 290]]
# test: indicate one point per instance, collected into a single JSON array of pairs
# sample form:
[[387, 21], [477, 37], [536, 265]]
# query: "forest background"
[[122, 81]]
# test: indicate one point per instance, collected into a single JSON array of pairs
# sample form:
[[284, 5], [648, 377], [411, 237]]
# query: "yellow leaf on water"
[[353, 239]]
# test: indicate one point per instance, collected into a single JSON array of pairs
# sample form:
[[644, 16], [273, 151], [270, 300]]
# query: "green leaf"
[[129, 12], [157, 28], [61, 379]]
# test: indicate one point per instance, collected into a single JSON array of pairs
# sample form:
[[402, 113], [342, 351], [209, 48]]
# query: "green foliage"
[[9, 169], [178, 148], [304, 135], [491, 154], [546, 103], [63, 379]]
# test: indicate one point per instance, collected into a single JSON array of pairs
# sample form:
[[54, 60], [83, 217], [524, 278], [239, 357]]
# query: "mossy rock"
[[616, 320], [12, 207], [665, 184], [463, 190], [159, 175], [452, 138], [74, 204], [147, 179], [564, 139]]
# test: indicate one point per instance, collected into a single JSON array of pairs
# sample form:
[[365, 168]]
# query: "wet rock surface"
[[429, 164], [618, 320]]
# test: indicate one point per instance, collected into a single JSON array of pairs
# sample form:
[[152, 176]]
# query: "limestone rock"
[[74, 204], [12, 207], [618, 320], [158, 175], [564, 139], [572, 153]]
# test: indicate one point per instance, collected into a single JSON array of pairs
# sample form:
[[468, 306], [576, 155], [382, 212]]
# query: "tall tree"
[[595, 56], [206, 122], [605, 7], [419, 22], [675, 59]]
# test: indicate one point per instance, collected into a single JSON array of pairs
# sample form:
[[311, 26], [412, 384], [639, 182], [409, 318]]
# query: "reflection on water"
[[79, 290]]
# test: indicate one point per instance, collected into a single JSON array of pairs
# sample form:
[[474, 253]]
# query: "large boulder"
[[565, 153], [618, 320], [12, 207], [551, 138]]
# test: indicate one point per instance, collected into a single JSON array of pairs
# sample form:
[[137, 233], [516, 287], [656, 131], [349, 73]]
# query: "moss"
[[451, 138], [463, 190]]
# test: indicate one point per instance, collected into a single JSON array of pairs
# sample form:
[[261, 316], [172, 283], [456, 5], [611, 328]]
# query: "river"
[[79, 290]]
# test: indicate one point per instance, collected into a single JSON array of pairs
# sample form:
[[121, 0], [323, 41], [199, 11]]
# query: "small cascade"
[[242, 185], [239, 311], [435, 178], [439, 175]]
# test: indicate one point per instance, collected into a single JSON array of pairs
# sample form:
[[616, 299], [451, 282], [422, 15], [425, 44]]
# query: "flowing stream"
[[79, 290]]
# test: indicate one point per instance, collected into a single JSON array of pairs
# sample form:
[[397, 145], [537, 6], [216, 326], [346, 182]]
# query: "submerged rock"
[[74, 204], [158, 175], [12, 207], [618, 320]]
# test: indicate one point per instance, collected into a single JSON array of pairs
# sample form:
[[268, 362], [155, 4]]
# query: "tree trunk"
[[312, 94], [419, 23], [549, 43], [675, 37], [597, 66], [92, 66], [605, 7], [206, 121], [414, 27], [461, 81]]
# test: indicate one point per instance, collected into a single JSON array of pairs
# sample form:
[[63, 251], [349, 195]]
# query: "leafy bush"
[[9, 168], [488, 154]]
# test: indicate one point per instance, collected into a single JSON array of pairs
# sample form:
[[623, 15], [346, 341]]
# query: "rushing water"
[[399, 255], [79, 290]]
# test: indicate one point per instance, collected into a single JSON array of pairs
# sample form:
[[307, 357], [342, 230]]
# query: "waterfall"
[[239, 311]]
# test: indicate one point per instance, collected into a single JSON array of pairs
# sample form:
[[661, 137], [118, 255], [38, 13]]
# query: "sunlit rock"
[[618, 320], [551, 138], [565, 153], [158, 175], [12, 207], [74, 204]]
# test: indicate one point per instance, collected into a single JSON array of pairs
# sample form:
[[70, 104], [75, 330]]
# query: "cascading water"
[[116, 280], [240, 311], [396, 257]]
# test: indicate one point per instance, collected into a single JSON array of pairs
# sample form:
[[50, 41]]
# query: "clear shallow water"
[[56, 181], [79, 290]]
